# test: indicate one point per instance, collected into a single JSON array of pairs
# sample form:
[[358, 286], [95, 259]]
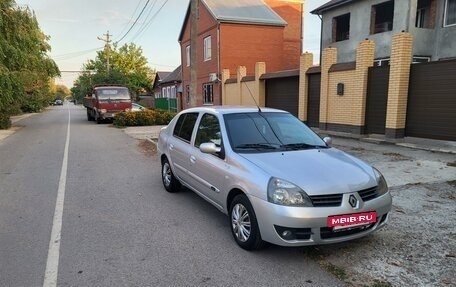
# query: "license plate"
[[351, 220]]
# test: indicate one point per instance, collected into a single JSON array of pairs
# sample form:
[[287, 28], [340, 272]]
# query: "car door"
[[179, 146], [207, 171]]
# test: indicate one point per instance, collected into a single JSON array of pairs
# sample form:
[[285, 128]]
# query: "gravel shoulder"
[[418, 246]]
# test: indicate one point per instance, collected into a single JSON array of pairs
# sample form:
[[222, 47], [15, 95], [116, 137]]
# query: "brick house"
[[432, 23], [233, 33]]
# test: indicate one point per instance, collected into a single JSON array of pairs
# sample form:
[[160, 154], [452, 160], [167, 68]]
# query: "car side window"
[[208, 131], [185, 125]]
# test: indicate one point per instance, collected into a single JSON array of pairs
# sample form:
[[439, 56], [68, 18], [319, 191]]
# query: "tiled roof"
[[330, 5], [244, 11], [174, 76]]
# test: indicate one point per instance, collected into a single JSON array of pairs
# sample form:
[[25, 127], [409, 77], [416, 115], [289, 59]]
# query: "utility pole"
[[107, 48], [193, 49]]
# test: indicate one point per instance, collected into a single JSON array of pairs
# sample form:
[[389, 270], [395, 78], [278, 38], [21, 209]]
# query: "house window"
[[173, 92], [187, 54], [381, 62], [207, 48], [382, 17], [208, 95], [164, 95], [341, 28], [188, 94], [450, 13], [425, 14]]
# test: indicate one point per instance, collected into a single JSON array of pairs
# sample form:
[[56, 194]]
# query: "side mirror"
[[209, 148], [328, 141]]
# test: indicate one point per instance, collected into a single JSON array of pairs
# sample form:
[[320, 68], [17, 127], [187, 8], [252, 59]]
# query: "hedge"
[[149, 117]]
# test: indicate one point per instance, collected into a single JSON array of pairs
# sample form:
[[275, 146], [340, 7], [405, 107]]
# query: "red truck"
[[106, 101]]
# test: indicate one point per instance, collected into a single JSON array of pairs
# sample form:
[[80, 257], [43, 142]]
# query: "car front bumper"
[[309, 225]]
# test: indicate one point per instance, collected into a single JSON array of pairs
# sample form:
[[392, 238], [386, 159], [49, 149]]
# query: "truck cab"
[[106, 101]]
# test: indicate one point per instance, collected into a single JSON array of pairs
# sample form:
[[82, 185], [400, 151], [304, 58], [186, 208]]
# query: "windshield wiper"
[[298, 146], [257, 146]]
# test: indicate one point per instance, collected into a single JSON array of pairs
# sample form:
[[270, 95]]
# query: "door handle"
[[192, 159], [171, 146]]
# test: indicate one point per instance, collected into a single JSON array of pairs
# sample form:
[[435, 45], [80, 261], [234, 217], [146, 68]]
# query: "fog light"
[[287, 235]]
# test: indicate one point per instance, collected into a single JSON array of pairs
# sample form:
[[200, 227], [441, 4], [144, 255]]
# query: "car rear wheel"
[[244, 225], [170, 182]]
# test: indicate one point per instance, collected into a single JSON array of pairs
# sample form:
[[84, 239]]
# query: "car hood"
[[317, 171]]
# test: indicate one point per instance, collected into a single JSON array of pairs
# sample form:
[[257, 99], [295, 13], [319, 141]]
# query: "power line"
[[134, 13], [134, 23], [146, 26]]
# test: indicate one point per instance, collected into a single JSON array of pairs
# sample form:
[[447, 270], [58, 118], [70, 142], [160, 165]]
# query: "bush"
[[32, 106], [5, 122], [148, 117]]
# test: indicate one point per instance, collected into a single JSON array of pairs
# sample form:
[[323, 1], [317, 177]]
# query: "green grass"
[[335, 270]]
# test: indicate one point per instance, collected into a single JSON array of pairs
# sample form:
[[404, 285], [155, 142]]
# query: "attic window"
[[382, 17], [425, 14], [341, 28]]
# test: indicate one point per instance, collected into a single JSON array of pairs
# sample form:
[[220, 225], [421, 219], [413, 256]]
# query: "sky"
[[74, 28]]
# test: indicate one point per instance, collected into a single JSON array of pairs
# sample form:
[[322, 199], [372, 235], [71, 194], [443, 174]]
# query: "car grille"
[[328, 200], [368, 194], [328, 233]]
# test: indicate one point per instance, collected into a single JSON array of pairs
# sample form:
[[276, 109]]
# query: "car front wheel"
[[244, 225], [170, 182]]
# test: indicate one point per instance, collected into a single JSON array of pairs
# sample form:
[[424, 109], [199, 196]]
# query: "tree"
[[25, 68], [128, 66]]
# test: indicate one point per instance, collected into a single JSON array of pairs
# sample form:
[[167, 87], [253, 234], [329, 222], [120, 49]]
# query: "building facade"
[[231, 34], [432, 23]]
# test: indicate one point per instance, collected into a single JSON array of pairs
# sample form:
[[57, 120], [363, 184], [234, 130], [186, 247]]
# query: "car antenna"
[[253, 98]]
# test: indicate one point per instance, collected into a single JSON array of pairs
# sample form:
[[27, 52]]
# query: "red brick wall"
[[291, 12], [244, 45], [207, 26]]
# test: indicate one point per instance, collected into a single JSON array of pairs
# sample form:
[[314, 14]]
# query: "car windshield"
[[113, 94], [269, 132]]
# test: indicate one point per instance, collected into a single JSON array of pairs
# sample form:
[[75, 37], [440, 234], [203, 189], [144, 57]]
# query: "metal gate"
[[431, 105], [377, 99], [313, 103], [283, 93]]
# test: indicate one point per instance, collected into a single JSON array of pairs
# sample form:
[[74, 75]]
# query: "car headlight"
[[382, 187], [103, 111], [286, 193]]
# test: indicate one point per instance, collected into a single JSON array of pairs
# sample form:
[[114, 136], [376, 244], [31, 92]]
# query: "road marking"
[[52, 264]]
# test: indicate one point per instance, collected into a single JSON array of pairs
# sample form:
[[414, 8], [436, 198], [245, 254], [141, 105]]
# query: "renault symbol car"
[[276, 179]]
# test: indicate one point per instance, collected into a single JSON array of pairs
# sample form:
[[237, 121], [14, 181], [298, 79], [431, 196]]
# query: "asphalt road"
[[118, 225]]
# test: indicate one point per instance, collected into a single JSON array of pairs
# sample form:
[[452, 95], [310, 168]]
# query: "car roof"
[[232, 109]]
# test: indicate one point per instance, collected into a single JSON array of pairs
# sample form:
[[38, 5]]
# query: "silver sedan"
[[276, 179]]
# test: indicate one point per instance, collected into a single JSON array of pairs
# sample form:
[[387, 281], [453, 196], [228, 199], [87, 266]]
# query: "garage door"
[[431, 105], [283, 93]]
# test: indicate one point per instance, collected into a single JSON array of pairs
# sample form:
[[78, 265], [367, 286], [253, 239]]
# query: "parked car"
[[58, 103], [137, 107], [277, 180]]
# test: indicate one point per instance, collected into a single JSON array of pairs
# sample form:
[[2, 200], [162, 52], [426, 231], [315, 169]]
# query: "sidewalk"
[[409, 142], [151, 133], [14, 128]]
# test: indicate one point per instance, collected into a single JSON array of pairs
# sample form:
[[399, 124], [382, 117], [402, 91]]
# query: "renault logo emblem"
[[353, 201]]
